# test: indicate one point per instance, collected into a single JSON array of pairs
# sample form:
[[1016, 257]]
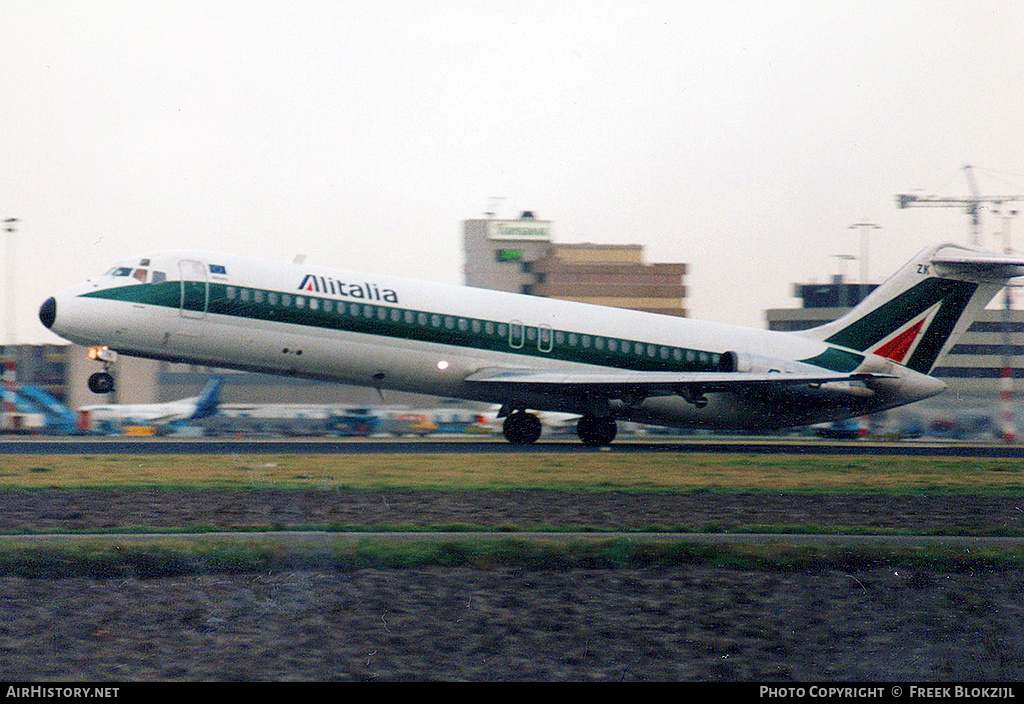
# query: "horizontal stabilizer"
[[980, 265]]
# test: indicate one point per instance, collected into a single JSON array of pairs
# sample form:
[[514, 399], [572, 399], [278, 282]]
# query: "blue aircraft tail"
[[209, 399]]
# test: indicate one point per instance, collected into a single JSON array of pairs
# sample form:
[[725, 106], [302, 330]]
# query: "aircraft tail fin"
[[209, 399], [922, 309]]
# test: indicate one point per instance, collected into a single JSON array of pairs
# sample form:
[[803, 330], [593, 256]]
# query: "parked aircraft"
[[182, 410], [526, 352]]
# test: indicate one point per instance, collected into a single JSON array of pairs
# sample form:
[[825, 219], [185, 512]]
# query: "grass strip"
[[690, 471], [104, 561]]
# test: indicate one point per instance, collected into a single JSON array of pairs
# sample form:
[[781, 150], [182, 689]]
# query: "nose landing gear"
[[102, 382]]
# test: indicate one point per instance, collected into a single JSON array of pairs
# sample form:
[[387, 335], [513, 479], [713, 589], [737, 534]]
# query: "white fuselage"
[[389, 333]]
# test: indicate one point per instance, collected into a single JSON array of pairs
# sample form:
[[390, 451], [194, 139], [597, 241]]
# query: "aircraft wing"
[[614, 382]]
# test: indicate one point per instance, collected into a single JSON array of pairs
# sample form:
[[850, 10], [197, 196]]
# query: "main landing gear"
[[102, 382], [596, 431], [522, 428]]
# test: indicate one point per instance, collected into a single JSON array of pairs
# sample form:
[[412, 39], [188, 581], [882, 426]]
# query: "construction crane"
[[972, 205]]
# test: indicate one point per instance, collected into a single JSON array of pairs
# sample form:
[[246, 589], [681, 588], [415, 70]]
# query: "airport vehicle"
[[525, 352], [155, 414]]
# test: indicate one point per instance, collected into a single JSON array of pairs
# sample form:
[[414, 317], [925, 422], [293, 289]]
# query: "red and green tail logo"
[[912, 327]]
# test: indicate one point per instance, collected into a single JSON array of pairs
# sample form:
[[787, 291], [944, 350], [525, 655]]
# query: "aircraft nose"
[[48, 312]]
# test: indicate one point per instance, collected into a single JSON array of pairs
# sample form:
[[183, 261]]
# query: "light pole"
[[841, 297], [9, 360], [9, 333], [864, 228]]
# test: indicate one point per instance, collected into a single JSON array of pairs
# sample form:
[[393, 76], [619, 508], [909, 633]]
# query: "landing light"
[[101, 352], [442, 365]]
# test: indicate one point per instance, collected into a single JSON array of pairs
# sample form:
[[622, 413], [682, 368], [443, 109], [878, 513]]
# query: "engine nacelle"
[[744, 362]]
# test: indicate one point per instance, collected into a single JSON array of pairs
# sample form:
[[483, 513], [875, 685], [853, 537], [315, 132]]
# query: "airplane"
[[171, 412], [531, 353]]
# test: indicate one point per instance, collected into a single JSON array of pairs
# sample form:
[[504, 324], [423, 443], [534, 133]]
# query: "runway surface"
[[326, 538], [211, 446]]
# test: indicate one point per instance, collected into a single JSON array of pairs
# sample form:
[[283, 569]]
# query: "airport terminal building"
[[521, 256]]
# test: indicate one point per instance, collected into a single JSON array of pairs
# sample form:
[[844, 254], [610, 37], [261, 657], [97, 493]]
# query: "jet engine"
[[744, 362]]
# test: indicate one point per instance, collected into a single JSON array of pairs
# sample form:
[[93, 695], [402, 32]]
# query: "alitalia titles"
[[367, 291]]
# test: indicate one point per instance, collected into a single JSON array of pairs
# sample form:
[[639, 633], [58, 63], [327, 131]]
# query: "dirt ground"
[[685, 623], [240, 508]]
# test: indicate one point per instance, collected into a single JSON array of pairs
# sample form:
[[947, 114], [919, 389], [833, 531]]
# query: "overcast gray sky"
[[741, 137]]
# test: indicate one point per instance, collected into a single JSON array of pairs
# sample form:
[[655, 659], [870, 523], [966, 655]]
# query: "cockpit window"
[[159, 277], [140, 275], [120, 271]]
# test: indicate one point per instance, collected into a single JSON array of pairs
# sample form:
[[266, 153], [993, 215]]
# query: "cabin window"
[[368, 312], [353, 309], [328, 306], [613, 345], [286, 300], [244, 295], [463, 324], [531, 334], [257, 296], [422, 319], [449, 323], [272, 297], [435, 321], [664, 352], [502, 329], [585, 340], [489, 328], [572, 339], [230, 293], [677, 354], [382, 313], [300, 302], [477, 326], [410, 317], [599, 343], [314, 304]]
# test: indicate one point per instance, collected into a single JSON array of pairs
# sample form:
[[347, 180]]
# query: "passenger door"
[[195, 289]]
